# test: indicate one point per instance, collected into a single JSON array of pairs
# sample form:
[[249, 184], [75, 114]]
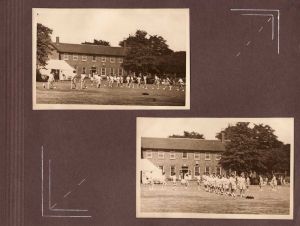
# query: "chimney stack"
[[223, 137], [57, 40]]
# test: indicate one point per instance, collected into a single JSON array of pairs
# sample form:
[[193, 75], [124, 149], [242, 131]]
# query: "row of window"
[[94, 58], [161, 155], [197, 171], [102, 71]]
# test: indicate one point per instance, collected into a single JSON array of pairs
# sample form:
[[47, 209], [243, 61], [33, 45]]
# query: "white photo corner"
[[118, 59]]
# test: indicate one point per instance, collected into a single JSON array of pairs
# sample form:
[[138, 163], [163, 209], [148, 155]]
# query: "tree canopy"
[[253, 149], [97, 42], [186, 134], [44, 46], [145, 52]]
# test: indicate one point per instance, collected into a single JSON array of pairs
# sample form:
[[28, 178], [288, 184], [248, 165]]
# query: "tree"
[[97, 42], [251, 149], [44, 47], [174, 64], [143, 52], [186, 134]]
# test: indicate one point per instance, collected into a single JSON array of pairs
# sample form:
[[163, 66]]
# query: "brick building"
[[85, 58], [181, 155]]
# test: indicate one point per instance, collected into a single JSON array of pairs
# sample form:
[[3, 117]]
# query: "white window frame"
[[104, 70], [198, 154], [195, 171], [75, 57], [120, 60], [172, 153], [83, 58], [205, 157], [171, 170], [103, 59], [65, 56], [186, 155], [218, 156], [160, 155], [94, 60], [112, 60], [149, 154]]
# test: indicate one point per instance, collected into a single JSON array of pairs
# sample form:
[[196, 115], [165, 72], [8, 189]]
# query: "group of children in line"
[[226, 185], [129, 81], [230, 185]]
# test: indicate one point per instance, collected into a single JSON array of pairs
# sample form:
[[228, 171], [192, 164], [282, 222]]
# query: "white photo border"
[[36, 106], [140, 214]]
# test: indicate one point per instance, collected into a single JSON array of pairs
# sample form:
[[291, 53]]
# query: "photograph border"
[[140, 214], [36, 106]]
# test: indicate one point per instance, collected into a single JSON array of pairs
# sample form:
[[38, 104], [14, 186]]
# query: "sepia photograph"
[[110, 59], [234, 168]]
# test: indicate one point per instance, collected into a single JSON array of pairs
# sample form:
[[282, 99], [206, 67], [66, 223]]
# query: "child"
[[261, 182], [163, 180], [174, 181], [128, 81], [121, 80], [82, 81], [274, 183], [111, 81], [157, 82], [226, 185], [139, 81], [51, 81], [118, 81], [151, 182], [247, 183], [232, 180], [97, 79], [131, 81], [169, 82], [181, 84], [145, 81], [242, 184]]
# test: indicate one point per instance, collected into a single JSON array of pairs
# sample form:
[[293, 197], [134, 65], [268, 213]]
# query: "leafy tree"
[[252, 149], [144, 51], [174, 63], [186, 134], [97, 42], [44, 47]]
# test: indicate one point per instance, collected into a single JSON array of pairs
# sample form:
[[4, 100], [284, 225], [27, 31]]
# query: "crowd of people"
[[230, 185], [131, 80]]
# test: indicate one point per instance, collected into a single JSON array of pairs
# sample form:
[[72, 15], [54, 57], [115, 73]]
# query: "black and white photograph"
[[240, 168], [110, 59]]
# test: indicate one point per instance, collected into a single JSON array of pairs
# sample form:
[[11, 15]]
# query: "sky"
[[113, 25], [209, 127]]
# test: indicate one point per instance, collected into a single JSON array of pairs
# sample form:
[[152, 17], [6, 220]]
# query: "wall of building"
[[179, 161], [80, 65], [54, 55]]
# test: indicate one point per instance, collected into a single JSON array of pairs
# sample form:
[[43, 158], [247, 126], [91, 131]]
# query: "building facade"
[[181, 155], [85, 58]]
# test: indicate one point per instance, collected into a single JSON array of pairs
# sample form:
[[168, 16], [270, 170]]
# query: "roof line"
[[64, 43], [180, 138]]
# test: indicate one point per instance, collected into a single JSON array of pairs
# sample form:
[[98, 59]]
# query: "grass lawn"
[[192, 200], [62, 94]]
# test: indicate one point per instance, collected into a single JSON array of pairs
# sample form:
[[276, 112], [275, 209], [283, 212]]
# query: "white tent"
[[149, 170], [65, 70]]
